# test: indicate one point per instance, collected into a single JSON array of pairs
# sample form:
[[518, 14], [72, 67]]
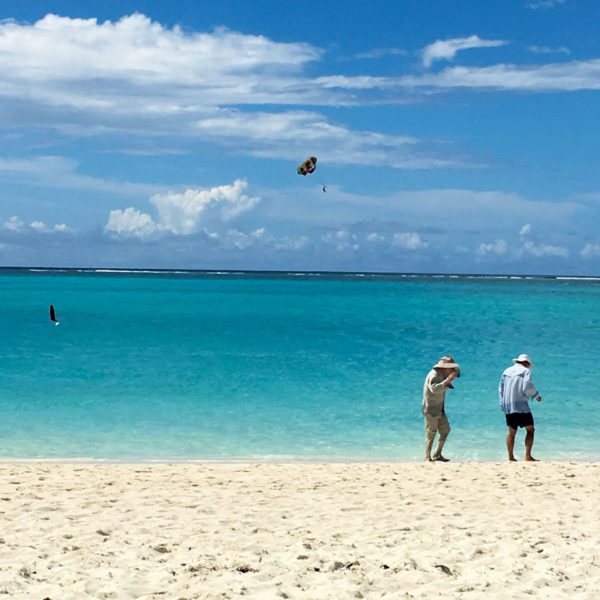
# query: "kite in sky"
[[308, 166]]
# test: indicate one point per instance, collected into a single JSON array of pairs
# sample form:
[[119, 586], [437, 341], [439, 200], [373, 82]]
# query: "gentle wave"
[[325, 275]]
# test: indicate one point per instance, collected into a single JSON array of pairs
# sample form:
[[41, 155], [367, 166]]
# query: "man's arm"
[[529, 388], [437, 382]]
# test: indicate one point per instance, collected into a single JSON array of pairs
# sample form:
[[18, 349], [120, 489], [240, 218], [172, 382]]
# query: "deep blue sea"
[[227, 365]]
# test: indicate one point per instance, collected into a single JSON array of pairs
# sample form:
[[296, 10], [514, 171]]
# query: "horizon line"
[[216, 271]]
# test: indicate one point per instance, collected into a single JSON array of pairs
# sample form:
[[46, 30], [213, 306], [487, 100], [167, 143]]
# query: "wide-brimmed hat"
[[523, 358], [446, 362]]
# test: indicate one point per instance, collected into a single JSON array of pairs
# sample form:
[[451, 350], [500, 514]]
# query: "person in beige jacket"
[[438, 380]]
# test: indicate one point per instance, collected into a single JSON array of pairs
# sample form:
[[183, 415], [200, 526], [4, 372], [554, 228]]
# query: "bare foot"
[[512, 459], [530, 459]]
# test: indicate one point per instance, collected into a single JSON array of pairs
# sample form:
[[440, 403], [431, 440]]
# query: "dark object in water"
[[53, 314]]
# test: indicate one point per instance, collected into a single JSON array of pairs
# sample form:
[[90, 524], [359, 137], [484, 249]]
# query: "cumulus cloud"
[[541, 250], [591, 251], [341, 240], [184, 213], [447, 49], [241, 240], [130, 221], [410, 241], [14, 224], [41, 227], [375, 237], [499, 247]]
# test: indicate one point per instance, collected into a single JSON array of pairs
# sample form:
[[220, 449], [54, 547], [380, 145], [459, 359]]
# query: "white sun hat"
[[523, 358]]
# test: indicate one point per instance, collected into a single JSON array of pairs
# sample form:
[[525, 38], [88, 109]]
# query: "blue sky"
[[454, 136]]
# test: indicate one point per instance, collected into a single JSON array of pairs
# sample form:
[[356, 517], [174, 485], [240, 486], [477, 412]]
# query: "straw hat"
[[446, 362], [523, 358]]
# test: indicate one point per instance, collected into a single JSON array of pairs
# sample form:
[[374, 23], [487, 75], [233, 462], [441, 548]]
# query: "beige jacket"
[[434, 394]]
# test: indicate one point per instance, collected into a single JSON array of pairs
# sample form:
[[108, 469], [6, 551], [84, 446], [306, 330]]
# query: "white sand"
[[318, 531]]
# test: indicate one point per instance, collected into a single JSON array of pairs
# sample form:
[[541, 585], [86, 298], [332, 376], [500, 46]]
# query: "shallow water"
[[189, 365]]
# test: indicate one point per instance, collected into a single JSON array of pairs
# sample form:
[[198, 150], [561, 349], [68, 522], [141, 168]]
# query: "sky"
[[454, 136]]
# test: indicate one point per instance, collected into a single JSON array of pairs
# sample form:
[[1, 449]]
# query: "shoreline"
[[215, 530], [275, 461]]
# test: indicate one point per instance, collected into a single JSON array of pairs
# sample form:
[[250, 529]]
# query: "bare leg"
[[510, 443], [529, 442]]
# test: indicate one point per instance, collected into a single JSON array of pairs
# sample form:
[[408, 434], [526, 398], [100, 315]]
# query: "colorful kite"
[[308, 166]]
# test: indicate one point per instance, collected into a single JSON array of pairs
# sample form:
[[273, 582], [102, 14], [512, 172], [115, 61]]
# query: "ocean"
[[185, 365]]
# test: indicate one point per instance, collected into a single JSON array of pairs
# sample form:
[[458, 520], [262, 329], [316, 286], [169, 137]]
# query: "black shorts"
[[516, 420]]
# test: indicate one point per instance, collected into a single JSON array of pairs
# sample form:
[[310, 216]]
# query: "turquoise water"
[[248, 365]]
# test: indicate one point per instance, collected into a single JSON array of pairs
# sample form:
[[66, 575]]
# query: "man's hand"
[[538, 398], [451, 377]]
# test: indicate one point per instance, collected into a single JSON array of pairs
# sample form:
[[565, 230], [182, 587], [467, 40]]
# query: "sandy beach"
[[299, 530]]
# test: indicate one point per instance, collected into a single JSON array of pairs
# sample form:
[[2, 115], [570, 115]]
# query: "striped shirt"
[[516, 389]]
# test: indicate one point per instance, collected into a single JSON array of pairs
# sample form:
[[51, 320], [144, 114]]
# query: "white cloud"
[[184, 213], [240, 240], [541, 250], [291, 243], [341, 240], [130, 222], [375, 237], [537, 4], [525, 229], [591, 251], [85, 78], [17, 225], [136, 49], [14, 224], [499, 247], [563, 76], [39, 226], [447, 49], [548, 50], [381, 52], [410, 241], [286, 135], [138, 68]]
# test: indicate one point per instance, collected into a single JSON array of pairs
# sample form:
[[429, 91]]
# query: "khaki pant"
[[435, 425]]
